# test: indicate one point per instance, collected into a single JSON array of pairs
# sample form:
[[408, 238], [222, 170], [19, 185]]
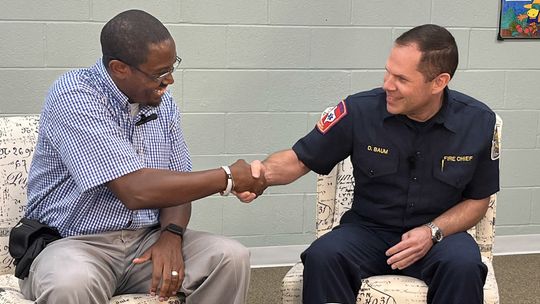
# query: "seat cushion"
[[384, 288], [10, 294]]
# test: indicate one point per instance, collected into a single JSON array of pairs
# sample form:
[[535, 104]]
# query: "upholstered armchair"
[[334, 197], [18, 137]]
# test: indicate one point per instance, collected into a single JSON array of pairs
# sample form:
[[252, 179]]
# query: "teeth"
[[159, 92]]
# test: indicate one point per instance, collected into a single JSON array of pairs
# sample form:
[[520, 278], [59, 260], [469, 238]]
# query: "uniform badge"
[[331, 116], [496, 141]]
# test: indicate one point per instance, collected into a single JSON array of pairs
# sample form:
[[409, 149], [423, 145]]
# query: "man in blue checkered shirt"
[[111, 172]]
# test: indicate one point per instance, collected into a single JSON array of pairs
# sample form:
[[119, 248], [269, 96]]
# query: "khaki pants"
[[93, 268]]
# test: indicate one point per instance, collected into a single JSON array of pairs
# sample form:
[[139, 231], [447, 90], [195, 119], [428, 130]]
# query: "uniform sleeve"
[[88, 139], [329, 142], [485, 180]]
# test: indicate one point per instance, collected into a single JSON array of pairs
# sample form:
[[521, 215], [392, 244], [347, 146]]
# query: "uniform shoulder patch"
[[331, 116], [496, 141]]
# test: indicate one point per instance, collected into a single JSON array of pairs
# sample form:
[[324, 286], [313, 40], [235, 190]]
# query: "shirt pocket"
[[455, 171], [375, 161]]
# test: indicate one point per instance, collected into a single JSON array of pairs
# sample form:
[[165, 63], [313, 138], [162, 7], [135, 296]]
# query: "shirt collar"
[[444, 117], [117, 95]]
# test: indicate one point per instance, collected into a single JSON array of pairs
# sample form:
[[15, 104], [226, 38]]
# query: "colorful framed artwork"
[[519, 19]]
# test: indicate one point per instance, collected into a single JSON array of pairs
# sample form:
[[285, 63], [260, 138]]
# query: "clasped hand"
[[245, 181]]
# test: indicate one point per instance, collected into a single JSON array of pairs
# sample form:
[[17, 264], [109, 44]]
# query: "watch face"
[[438, 235]]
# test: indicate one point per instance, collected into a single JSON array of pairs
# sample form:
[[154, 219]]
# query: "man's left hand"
[[414, 245], [166, 256]]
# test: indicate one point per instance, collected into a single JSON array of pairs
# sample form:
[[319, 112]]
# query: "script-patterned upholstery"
[[18, 137], [334, 197]]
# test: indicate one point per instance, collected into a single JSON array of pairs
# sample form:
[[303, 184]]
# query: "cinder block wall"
[[257, 73]]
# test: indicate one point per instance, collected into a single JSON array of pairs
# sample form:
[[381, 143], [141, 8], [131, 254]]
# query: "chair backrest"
[[335, 194], [18, 136]]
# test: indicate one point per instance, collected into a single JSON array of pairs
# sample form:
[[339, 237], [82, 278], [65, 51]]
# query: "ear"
[[440, 82], [118, 69]]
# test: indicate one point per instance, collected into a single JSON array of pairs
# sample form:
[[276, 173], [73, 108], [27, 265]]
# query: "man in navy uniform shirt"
[[424, 168]]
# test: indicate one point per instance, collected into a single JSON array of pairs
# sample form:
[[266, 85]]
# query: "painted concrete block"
[[22, 44], [67, 47], [200, 46], [486, 52], [66, 10], [366, 80], [225, 91], [519, 129], [520, 168], [167, 11], [207, 214], [204, 133], [391, 13], [268, 47], [519, 90], [514, 206], [267, 215], [486, 86], [301, 91], [262, 133], [346, 48], [465, 13], [309, 12], [224, 12], [17, 98]]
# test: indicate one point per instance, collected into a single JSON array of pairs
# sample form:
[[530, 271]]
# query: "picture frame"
[[519, 19]]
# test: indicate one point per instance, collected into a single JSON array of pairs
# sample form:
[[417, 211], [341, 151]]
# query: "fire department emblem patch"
[[331, 116]]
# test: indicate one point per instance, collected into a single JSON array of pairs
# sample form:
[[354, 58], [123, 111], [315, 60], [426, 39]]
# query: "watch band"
[[230, 183], [436, 232], [173, 228]]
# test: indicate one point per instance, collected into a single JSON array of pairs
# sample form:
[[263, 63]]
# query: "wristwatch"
[[178, 230], [436, 232]]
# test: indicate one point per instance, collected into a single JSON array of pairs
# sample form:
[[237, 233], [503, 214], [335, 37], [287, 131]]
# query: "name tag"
[[378, 150], [455, 158]]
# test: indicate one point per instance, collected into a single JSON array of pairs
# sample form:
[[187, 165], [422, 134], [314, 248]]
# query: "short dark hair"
[[438, 47], [127, 37]]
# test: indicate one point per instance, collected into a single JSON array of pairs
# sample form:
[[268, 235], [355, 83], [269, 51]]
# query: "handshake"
[[248, 180]]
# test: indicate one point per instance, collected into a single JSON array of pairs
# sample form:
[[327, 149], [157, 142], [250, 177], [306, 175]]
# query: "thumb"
[[147, 256], [256, 167]]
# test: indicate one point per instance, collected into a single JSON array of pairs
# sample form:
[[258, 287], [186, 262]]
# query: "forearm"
[[156, 188], [178, 215], [283, 167], [462, 216]]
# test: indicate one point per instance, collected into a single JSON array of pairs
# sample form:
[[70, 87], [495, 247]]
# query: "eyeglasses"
[[158, 78]]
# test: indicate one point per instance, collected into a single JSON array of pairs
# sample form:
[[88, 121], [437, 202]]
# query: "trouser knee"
[[69, 286], [320, 256], [232, 254]]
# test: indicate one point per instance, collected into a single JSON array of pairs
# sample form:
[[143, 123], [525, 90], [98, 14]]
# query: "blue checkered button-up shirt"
[[88, 137]]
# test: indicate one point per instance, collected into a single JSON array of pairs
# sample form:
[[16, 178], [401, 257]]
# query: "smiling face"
[[532, 13], [139, 83], [407, 90]]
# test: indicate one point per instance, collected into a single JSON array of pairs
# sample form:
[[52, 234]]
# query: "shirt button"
[[411, 204], [415, 178], [371, 172]]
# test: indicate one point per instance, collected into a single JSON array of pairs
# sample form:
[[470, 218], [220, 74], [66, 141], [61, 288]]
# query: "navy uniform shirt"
[[406, 172]]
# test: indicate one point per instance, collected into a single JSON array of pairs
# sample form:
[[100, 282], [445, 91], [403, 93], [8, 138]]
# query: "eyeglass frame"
[[159, 78]]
